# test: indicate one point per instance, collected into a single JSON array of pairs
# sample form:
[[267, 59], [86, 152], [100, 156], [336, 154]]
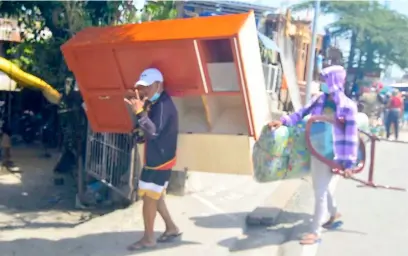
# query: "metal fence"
[[113, 159]]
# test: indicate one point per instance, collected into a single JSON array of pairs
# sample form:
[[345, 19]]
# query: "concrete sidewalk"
[[211, 216]]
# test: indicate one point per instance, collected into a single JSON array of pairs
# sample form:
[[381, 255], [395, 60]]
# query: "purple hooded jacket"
[[345, 133]]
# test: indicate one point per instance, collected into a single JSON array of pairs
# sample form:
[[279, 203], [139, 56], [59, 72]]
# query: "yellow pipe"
[[27, 80]]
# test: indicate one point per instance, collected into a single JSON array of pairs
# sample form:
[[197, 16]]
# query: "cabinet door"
[[177, 60], [97, 69], [107, 112]]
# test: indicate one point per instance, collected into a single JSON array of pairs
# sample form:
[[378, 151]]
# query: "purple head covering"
[[335, 78]]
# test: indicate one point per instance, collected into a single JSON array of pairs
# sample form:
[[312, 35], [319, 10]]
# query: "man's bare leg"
[[149, 215], [171, 228]]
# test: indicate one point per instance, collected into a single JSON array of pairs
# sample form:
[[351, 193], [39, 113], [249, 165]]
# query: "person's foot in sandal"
[[332, 220], [169, 236], [310, 239], [142, 244]]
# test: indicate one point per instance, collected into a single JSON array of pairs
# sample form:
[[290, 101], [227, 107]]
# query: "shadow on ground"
[[102, 244], [279, 232], [30, 199]]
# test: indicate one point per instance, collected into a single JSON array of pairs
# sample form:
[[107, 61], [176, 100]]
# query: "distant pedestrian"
[[395, 110]]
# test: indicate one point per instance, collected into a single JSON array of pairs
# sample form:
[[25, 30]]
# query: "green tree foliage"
[[377, 35], [162, 10], [40, 54], [49, 24]]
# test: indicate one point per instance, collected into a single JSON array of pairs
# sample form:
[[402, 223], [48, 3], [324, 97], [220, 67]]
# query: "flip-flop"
[[167, 238], [334, 225], [140, 247]]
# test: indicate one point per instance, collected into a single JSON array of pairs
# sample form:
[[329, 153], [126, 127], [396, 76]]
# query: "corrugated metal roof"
[[231, 7]]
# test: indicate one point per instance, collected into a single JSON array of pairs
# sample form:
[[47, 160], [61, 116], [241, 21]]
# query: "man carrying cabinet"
[[160, 127]]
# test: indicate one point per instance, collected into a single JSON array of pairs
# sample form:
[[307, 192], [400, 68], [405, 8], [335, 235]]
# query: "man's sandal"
[[140, 247], [168, 238]]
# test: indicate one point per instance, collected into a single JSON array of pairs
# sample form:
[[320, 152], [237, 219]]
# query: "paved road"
[[211, 216], [375, 221]]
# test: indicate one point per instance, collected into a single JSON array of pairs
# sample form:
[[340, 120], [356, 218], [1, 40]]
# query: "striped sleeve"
[[152, 126], [348, 155], [294, 118]]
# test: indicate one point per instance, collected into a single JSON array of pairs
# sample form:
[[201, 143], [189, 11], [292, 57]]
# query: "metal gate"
[[113, 159]]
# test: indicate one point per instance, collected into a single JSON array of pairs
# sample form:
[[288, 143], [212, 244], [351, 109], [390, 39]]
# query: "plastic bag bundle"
[[283, 153], [275, 142], [268, 168], [299, 158], [270, 154]]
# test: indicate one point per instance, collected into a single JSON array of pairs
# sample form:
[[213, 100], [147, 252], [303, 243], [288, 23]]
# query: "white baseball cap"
[[149, 76]]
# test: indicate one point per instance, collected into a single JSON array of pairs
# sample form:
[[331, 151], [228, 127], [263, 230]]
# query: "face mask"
[[325, 88], [155, 96]]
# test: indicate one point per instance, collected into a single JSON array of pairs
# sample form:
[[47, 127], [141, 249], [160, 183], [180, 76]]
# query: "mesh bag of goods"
[[271, 154]]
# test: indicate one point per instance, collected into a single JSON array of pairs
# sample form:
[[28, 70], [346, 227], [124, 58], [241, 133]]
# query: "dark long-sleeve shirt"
[[160, 127]]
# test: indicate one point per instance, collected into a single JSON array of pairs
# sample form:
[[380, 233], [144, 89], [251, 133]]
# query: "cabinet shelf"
[[217, 58], [214, 114]]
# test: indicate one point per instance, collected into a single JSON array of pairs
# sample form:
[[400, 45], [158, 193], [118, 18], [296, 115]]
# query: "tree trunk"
[[353, 44], [369, 63], [359, 65]]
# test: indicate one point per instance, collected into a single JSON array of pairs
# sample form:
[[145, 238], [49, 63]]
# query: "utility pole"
[[312, 50]]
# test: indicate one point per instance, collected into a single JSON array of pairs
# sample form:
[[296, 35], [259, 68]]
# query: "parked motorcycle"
[[29, 126], [35, 127]]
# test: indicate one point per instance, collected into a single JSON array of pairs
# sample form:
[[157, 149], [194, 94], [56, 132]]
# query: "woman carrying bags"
[[334, 103]]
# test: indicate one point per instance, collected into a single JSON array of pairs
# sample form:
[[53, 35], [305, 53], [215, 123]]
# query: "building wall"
[[302, 55], [9, 30]]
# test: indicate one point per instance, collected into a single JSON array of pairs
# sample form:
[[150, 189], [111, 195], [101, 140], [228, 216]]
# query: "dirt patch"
[[30, 199]]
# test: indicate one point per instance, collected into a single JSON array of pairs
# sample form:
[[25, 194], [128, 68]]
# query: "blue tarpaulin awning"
[[268, 43]]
